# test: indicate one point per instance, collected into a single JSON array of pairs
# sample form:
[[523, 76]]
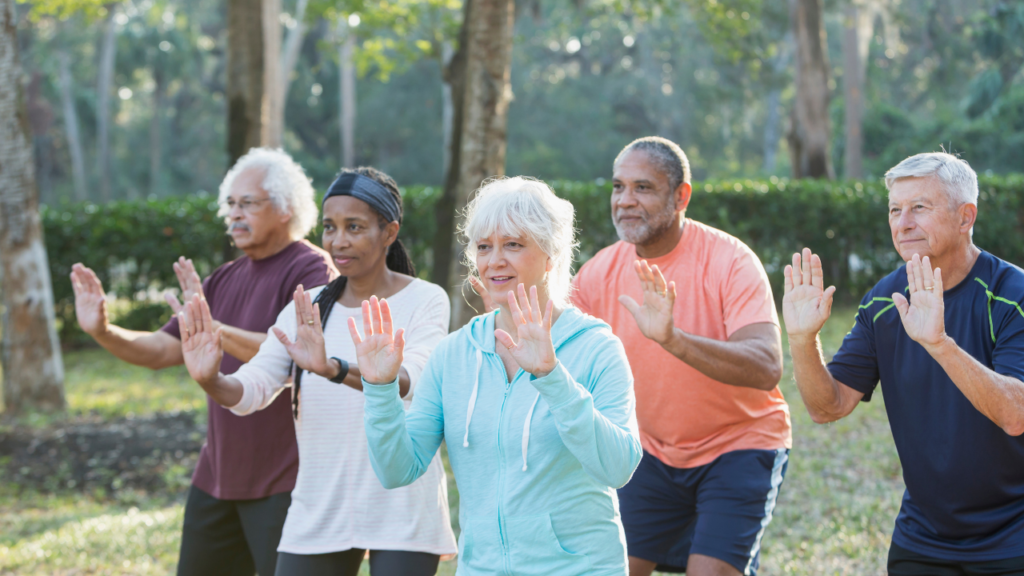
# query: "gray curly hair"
[[284, 180]]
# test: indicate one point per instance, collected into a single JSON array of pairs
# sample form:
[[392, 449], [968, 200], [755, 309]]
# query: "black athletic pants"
[[346, 563], [903, 562], [231, 537]]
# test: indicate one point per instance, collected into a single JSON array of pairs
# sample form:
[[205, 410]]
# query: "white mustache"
[[238, 226]]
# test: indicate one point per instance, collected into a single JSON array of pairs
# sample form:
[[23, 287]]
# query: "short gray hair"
[[284, 180], [666, 154], [956, 175], [525, 206]]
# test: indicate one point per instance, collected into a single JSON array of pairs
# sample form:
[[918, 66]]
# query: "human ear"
[[682, 196], [549, 266], [968, 215]]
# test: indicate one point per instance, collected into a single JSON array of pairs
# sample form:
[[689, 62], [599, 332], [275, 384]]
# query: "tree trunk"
[[348, 95], [853, 95], [104, 86], [33, 373], [71, 127], [245, 83], [155, 135], [479, 134], [447, 111], [289, 58], [809, 130], [273, 101]]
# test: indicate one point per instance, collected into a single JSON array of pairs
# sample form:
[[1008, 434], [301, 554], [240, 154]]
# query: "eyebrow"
[[920, 199]]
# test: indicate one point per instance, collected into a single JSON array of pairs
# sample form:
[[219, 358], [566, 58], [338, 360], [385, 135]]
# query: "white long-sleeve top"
[[338, 503]]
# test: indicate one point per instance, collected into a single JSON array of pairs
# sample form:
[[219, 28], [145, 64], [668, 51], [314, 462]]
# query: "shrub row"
[[131, 245]]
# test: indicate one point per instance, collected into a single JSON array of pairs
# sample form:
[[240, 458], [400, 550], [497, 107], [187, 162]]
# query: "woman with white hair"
[[534, 398]]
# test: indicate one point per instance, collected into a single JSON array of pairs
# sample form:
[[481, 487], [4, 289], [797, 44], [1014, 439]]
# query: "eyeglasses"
[[248, 206]]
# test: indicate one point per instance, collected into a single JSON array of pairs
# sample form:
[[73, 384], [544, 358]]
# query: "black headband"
[[368, 190]]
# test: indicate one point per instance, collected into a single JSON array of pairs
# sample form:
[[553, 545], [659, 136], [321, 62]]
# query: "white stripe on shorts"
[[781, 456]]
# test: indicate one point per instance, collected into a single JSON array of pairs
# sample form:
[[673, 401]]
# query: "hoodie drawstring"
[[526, 429], [472, 397]]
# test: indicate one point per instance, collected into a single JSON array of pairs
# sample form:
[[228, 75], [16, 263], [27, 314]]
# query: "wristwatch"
[[340, 378]]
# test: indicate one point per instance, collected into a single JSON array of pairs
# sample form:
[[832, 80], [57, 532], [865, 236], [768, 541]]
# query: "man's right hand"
[[90, 301], [200, 343], [806, 305], [189, 281]]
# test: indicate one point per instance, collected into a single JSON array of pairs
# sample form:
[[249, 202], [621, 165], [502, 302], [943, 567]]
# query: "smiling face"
[[924, 220], [354, 237], [253, 220], [644, 206], [505, 261]]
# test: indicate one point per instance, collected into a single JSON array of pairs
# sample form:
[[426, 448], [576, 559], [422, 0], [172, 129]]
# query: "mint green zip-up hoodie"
[[537, 460]]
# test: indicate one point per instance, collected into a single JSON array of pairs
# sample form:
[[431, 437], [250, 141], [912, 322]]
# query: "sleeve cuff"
[[378, 396], [557, 387], [244, 406]]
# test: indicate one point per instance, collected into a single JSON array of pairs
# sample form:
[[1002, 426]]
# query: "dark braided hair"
[[397, 259]]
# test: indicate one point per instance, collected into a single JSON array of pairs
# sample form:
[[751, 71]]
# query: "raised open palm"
[[532, 349], [189, 281], [924, 315], [379, 350], [308, 349], [806, 304], [90, 301], [654, 316], [200, 343]]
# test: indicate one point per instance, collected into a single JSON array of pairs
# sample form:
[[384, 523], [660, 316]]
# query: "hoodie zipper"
[[502, 534]]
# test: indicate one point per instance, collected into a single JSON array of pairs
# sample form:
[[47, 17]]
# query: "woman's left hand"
[[379, 350], [534, 352]]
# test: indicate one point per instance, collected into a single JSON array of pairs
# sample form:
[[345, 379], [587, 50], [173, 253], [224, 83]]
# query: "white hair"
[[525, 206], [284, 180], [956, 175]]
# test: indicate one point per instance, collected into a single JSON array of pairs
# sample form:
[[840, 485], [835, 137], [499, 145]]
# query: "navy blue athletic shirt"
[[964, 475]]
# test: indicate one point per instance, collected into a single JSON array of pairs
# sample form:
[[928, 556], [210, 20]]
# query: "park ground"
[[101, 490]]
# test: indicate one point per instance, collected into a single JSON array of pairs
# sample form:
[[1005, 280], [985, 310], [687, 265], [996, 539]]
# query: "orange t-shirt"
[[686, 418]]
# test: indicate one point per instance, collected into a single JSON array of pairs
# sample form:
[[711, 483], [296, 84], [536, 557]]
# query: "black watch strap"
[[340, 378]]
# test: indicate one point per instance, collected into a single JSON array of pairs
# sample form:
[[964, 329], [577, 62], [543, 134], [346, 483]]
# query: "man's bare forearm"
[[241, 344], [826, 399], [749, 363], [153, 350], [1000, 398]]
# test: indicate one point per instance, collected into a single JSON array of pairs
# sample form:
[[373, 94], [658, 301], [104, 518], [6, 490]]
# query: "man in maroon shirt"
[[241, 487]]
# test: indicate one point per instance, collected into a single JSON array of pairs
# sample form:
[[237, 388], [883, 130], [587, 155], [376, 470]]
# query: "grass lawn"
[[834, 515]]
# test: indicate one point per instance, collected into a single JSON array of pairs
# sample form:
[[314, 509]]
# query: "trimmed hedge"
[[131, 245]]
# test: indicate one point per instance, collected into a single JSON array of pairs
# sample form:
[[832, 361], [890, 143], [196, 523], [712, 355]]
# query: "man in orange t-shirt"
[[694, 310]]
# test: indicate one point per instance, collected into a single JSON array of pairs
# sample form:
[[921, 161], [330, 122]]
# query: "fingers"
[[399, 344], [826, 300], [485, 296], [282, 336], [938, 282], [198, 324], [659, 281], [173, 302], [317, 325], [805, 267], [297, 300], [535, 315], [503, 337], [385, 317], [927, 277], [672, 291], [513, 306], [527, 310], [630, 304], [204, 309], [902, 306], [353, 331], [546, 322], [787, 276], [185, 322], [375, 316], [367, 326], [817, 277]]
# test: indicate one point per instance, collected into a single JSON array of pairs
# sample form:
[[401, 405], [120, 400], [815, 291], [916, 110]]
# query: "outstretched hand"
[[806, 304], [924, 315], [200, 343], [534, 352], [308, 350], [190, 283], [379, 350], [654, 316], [90, 301]]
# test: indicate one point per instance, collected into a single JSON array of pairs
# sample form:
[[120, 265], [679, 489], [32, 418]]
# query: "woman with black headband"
[[339, 508]]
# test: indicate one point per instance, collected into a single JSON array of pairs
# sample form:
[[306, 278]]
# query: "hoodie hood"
[[480, 331]]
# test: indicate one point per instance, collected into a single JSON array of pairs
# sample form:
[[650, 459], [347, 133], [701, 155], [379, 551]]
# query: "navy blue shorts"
[[719, 510]]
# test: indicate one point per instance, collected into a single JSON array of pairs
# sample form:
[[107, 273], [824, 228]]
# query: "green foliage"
[[131, 245]]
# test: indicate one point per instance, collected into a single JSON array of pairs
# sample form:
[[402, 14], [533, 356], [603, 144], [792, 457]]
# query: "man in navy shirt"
[[945, 336]]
